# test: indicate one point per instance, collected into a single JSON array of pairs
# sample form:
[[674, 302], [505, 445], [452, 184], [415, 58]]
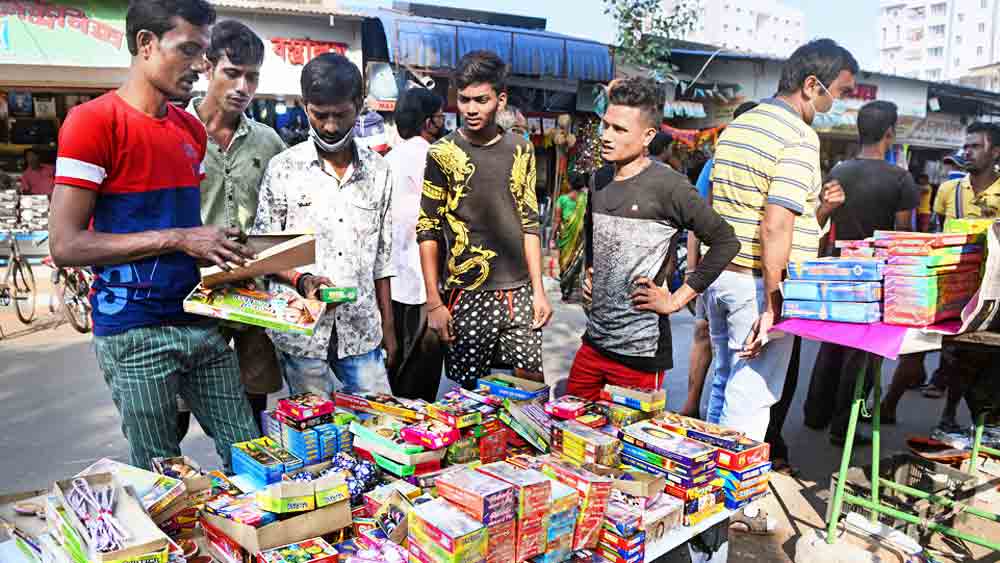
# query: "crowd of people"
[[442, 238]]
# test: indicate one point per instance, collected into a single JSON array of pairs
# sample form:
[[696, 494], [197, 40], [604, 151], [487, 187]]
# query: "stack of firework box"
[[304, 425], [35, 212], [561, 524], [687, 465], [622, 537], [742, 465], [482, 436], [582, 444], [438, 532], [489, 501], [594, 492], [263, 461], [842, 289], [533, 492], [929, 277]]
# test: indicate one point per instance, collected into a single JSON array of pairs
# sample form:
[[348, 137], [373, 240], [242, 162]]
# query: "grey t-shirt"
[[874, 191]]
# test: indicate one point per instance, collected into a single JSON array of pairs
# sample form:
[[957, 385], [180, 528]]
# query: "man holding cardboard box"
[[130, 164], [341, 192]]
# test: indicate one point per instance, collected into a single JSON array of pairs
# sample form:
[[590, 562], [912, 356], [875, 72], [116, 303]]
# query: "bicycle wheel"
[[76, 303], [23, 289]]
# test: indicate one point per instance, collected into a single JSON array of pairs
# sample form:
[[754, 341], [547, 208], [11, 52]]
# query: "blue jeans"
[[742, 390], [365, 373]]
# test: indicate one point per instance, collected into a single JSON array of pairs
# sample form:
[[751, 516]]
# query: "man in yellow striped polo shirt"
[[766, 182]]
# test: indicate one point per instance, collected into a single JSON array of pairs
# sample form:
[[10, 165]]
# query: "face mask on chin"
[[331, 146]]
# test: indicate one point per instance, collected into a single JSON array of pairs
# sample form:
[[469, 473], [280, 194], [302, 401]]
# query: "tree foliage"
[[646, 30]]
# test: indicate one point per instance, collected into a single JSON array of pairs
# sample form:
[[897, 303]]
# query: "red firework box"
[[594, 490], [431, 434], [489, 500], [501, 542], [305, 406], [410, 410], [567, 407], [737, 461], [532, 489], [530, 537], [441, 529]]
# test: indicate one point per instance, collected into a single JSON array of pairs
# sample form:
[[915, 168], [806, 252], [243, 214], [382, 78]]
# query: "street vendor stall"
[[896, 294]]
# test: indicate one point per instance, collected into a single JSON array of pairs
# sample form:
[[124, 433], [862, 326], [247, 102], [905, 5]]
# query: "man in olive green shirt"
[[238, 152]]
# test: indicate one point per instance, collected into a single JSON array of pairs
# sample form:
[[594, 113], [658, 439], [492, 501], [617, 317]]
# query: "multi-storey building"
[[755, 26]]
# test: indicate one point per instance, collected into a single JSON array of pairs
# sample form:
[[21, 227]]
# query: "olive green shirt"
[[231, 187]]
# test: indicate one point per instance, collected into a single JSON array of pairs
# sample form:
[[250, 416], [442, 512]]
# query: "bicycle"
[[71, 294], [18, 285]]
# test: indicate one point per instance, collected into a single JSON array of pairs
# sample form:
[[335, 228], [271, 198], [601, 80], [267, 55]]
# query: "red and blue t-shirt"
[[146, 172]]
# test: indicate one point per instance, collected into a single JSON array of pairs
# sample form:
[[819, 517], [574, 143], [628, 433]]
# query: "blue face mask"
[[527, 136]]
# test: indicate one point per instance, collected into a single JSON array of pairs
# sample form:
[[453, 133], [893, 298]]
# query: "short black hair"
[[156, 16], [578, 180], [874, 119], [642, 93], [660, 143], [743, 108], [481, 67], [331, 79], [237, 42], [822, 58], [413, 108], [991, 130]]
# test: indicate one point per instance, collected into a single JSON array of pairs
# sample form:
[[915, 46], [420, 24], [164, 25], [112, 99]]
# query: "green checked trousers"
[[146, 368]]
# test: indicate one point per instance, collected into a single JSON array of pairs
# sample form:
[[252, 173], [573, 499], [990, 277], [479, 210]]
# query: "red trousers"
[[592, 370]]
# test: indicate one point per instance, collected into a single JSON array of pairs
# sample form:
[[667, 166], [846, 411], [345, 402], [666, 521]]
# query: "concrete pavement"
[[60, 418]]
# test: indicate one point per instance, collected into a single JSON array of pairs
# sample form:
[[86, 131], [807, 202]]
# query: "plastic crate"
[[914, 472]]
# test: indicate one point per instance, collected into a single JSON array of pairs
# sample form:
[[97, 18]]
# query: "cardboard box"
[[299, 496], [936, 240], [837, 269], [702, 431], [448, 527], [838, 311], [635, 483], [532, 489], [193, 484], [741, 460], [283, 310], [143, 535], [224, 548], [663, 463], [288, 255], [408, 410], [307, 525], [487, 499], [805, 290], [315, 550], [510, 387], [420, 458], [648, 436], [305, 406]]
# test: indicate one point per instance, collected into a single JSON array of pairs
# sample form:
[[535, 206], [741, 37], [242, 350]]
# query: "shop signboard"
[[910, 97], [937, 130], [80, 33]]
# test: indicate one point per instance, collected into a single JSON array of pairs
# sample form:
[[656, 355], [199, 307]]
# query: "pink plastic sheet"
[[877, 338]]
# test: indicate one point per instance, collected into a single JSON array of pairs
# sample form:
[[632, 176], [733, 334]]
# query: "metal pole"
[[933, 527], [876, 427], [845, 459], [942, 501], [977, 443]]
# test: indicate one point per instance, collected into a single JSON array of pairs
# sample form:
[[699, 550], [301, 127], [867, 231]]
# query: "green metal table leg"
[[932, 526], [876, 432], [977, 443], [845, 459]]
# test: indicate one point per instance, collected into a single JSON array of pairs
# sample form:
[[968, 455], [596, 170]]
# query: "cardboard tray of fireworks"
[[306, 525], [143, 536]]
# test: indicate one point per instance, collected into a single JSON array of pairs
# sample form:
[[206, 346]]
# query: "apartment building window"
[[885, 35], [958, 62], [961, 17], [937, 29], [935, 52], [897, 33], [934, 74], [958, 40], [725, 27], [939, 9], [982, 27], [983, 4], [979, 50]]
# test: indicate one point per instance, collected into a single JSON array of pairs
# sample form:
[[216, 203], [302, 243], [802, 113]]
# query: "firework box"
[[594, 492], [930, 287], [926, 250], [805, 290], [837, 269], [634, 483], [516, 388], [868, 252], [698, 517], [612, 537], [739, 461], [283, 310], [523, 431], [457, 412], [664, 515], [338, 294], [670, 477], [500, 541], [409, 410], [303, 444], [975, 227], [661, 463], [748, 476], [307, 424], [379, 495], [305, 406], [919, 270], [143, 535], [289, 254], [610, 555], [156, 492], [712, 434], [620, 415], [530, 537], [584, 444], [934, 240], [287, 496], [440, 523], [688, 494], [199, 482], [736, 503], [314, 550], [288, 461], [622, 519], [936, 261], [532, 417], [566, 407], [863, 243], [838, 311], [645, 400], [256, 462], [488, 500], [327, 490], [430, 434], [533, 491], [648, 436], [378, 430], [303, 526]]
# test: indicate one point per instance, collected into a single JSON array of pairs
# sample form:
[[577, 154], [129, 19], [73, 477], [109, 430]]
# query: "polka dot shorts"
[[492, 327]]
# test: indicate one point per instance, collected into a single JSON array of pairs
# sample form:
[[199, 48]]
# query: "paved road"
[[59, 416]]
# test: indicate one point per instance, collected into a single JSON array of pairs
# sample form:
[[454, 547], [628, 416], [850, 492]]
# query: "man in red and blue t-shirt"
[[132, 163]]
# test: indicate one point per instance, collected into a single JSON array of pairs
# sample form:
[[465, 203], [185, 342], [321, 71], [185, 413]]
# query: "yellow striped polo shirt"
[[768, 155]]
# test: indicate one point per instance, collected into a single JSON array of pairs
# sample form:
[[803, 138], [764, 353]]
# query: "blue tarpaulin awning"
[[436, 43]]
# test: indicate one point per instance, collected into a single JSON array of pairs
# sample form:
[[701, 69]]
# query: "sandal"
[[780, 465], [759, 525], [932, 392]]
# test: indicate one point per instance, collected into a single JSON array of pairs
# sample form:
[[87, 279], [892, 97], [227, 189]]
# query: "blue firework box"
[[733, 503], [745, 474], [332, 439], [673, 478], [837, 269], [648, 436], [666, 464], [838, 311], [807, 290]]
